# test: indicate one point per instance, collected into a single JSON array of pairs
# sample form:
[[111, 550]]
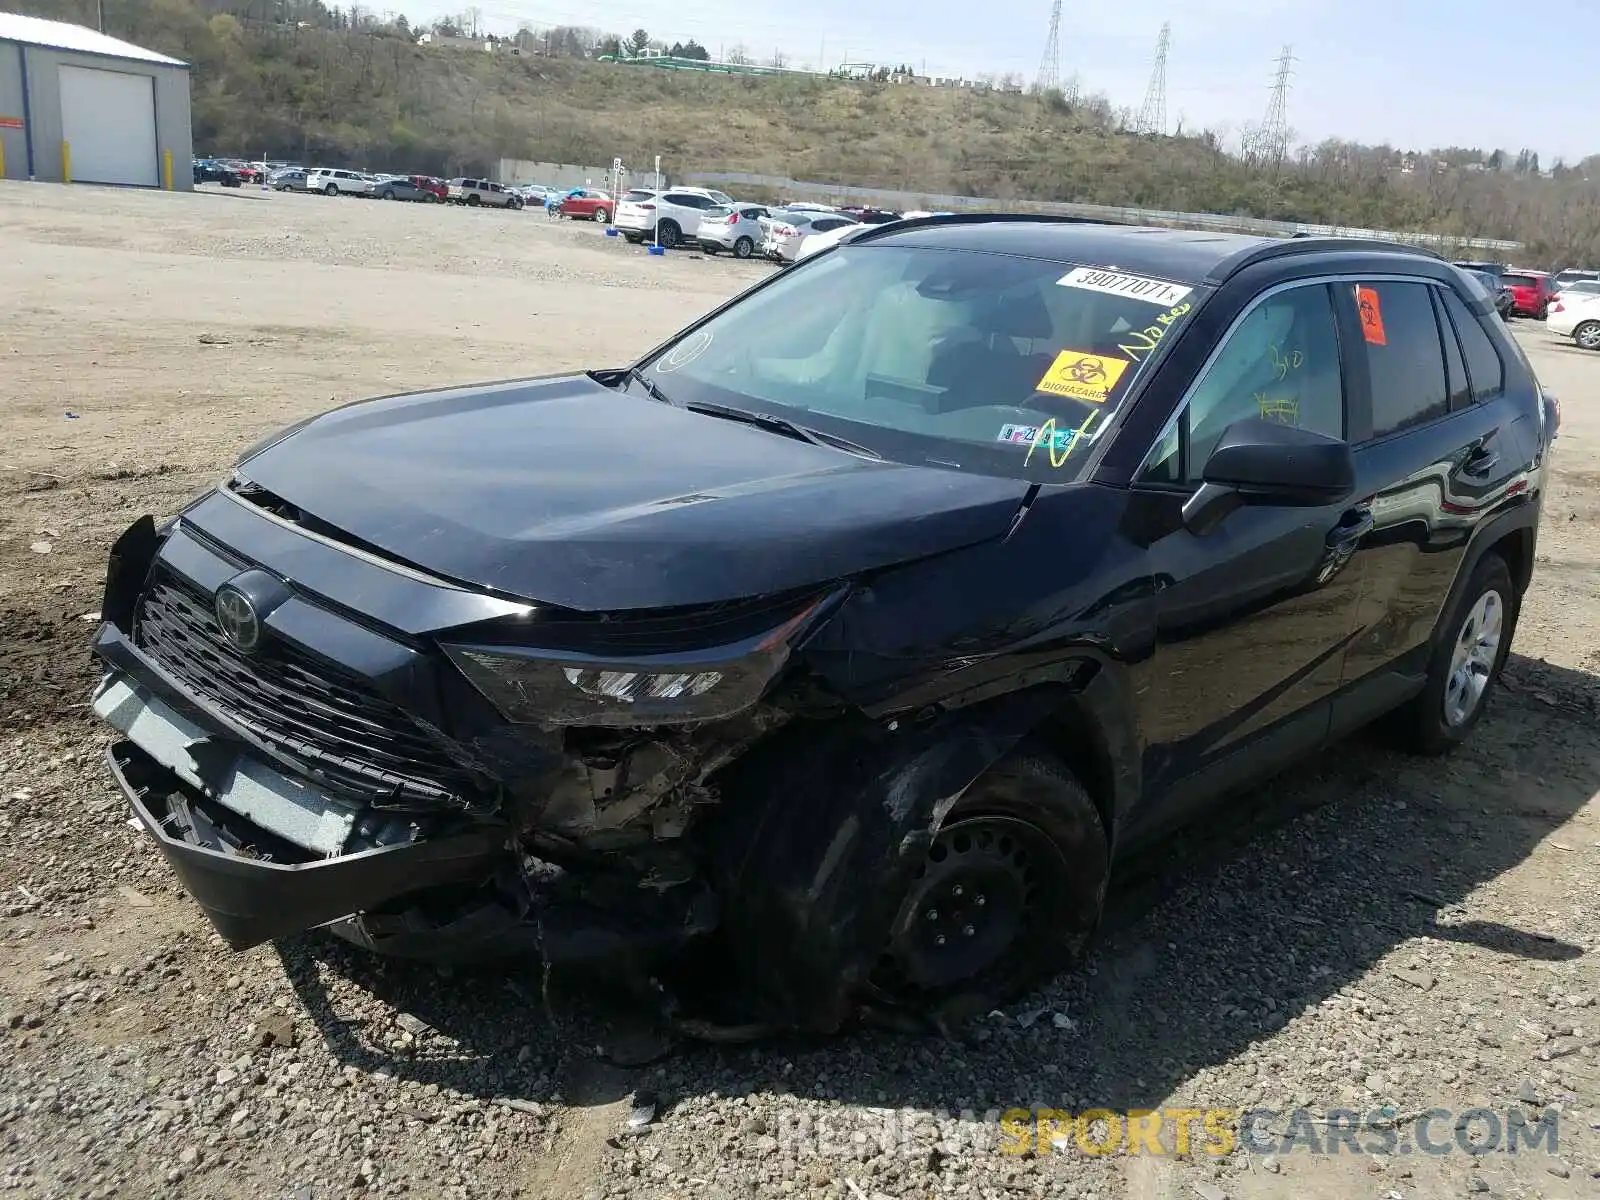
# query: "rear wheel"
[[388, 193], [1587, 335], [1009, 891], [744, 248], [601, 215], [668, 234], [1466, 662]]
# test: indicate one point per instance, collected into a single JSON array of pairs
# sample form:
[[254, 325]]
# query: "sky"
[[1408, 73]]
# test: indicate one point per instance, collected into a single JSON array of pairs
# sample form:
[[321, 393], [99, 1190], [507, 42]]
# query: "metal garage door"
[[108, 120]]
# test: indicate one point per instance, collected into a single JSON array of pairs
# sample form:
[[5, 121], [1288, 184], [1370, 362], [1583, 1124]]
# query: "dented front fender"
[[820, 831]]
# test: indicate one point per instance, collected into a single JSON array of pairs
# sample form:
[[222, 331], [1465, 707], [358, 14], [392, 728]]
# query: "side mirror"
[[1257, 461]]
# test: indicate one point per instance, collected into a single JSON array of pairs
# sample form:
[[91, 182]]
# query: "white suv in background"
[[1576, 315], [671, 216], [339, 183]]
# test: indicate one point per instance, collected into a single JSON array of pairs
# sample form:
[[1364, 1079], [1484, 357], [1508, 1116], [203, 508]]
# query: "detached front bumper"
[[191, 794]]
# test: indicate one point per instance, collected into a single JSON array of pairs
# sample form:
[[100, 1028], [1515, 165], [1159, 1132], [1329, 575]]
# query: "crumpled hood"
[[563, 491]]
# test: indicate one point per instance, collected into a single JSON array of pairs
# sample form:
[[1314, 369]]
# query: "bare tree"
[[739, 56], [779, 59]]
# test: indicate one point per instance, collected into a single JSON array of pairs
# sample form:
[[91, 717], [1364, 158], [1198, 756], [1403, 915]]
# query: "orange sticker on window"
[[1371, 316], [1082, 376]]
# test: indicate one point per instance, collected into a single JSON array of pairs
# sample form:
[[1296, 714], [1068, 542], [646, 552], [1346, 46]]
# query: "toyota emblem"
[[236, 614]]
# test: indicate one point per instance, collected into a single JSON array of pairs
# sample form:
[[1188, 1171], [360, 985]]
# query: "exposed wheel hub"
[[971, 902]]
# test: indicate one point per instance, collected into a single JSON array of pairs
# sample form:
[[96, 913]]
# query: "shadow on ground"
[[1213, 940]]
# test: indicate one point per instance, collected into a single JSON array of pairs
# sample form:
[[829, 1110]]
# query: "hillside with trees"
[[296, 79]]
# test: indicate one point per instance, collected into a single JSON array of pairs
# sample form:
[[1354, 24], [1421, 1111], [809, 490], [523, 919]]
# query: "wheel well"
[[1516, 548], [1074, 736]]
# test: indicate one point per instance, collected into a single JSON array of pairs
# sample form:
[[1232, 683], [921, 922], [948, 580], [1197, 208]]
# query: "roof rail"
[[1311, 243], [978, 218]]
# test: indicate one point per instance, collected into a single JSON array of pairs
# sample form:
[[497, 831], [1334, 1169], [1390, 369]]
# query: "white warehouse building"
[[77, 106]]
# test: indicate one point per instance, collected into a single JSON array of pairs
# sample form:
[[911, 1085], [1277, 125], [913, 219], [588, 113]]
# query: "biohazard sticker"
[[1135, 287], [1082, 376], [1371, 316]]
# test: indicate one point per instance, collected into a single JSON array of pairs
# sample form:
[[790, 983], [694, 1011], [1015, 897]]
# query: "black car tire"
[[387, 194], [331, 190], [668, 234], [744, 248], [1020, 863], [634, 238], [1587, 336], [1421, 725]]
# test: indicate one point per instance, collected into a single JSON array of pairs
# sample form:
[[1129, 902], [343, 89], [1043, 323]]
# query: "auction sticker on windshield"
[[1135, 287], [1079, 375]]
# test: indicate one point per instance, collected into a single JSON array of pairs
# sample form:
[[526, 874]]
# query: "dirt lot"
[[1396, 933]]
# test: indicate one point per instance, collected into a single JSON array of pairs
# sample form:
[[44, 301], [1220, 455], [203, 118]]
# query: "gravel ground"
[[1371, 933]]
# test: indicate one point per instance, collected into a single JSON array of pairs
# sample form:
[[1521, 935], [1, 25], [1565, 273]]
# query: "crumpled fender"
[[820, 831]]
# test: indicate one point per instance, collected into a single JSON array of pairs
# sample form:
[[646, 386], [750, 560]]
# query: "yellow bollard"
[[2, 160], [66, 162], [166, 169]]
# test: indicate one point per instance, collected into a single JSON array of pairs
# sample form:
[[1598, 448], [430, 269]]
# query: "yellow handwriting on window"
[[1052, 438], [1286, 411], [1283, 363], [1142, 343]]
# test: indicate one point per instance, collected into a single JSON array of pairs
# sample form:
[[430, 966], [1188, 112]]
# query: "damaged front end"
[[532, 784]]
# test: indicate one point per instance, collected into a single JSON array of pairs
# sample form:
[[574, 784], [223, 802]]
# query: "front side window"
[[1400, 337], [1279, 362], [958, 358]]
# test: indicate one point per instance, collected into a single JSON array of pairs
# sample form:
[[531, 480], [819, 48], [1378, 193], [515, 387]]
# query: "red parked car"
[[437, 188], [587, 204], [1530, 292]]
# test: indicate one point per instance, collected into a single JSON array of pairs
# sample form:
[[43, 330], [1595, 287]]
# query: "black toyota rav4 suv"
[[844, 640]]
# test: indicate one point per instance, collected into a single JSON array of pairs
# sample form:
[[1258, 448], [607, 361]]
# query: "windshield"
[[955, 358], [638, 195], [1526, 281]]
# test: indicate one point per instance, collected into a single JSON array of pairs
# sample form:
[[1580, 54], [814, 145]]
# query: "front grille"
[[303, 707]]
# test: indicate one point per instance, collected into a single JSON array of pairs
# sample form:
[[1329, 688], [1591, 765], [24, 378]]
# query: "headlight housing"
[[555, 689]]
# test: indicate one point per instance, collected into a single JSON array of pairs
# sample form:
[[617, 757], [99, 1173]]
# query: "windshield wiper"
[[799, 433], [655, 392]]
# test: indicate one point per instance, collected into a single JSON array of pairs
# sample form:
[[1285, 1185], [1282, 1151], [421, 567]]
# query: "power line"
[[1049, 78], [1153, 112]]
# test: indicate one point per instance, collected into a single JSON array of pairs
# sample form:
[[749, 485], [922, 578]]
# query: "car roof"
[[1186, 254]]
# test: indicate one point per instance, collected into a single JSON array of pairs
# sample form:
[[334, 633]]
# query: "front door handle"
[[1353, 525]]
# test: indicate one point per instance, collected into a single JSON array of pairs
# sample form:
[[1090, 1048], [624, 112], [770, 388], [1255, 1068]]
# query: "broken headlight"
[[556, 688]]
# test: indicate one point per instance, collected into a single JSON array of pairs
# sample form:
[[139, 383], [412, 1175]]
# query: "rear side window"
[[1404, 353], [1484, 368]]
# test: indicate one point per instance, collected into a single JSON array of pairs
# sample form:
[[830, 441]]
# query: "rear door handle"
[[1480, 462]]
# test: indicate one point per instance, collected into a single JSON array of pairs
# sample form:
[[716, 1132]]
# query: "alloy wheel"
[[1472, 663]]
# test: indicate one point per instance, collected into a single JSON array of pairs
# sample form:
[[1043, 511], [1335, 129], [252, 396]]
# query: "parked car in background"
[[288, 179], [1570, 275], [436, 190], [636, 213], [534, 194], [1531, 291], [834, 655], [401, 187], [587, 204], [1576, 315], [671, 217], [339, 182], [208, 170], [1472, 264], [786, 231], [816, 243], [735, 228], [1496, 290], [475, 193], [1578, 287], [870, 216]]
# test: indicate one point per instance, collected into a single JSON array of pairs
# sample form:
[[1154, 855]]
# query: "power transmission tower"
[[1050, 65], [1272, 139], [1153, 113]]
